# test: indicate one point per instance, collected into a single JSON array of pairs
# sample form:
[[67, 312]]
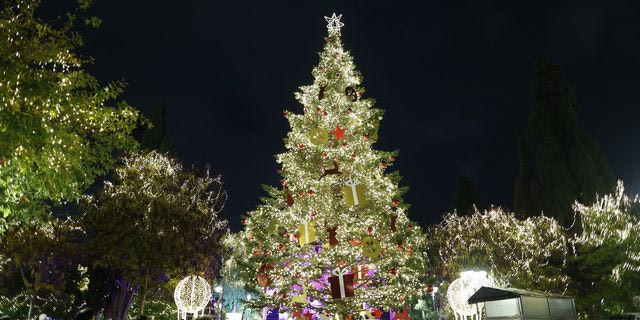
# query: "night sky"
[[455, 79]]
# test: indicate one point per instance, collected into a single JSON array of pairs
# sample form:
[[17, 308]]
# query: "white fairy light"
[[191, 295], [334, 24]]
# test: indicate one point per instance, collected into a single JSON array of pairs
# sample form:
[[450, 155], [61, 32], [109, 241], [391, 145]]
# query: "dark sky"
[[454, 77]]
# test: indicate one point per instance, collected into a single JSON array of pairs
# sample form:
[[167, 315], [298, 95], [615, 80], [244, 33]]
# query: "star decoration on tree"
[[338, 133], [334, 24]]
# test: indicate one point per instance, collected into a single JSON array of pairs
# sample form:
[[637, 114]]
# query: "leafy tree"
[[606, 263], [560, 163], [155, 221], [527, 254], [58, 126], [467, 198], [337, 211], [44, 256]]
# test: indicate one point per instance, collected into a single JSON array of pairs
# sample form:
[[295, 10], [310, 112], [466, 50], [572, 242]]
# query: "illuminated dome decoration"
[[191, 296], [461, 289]]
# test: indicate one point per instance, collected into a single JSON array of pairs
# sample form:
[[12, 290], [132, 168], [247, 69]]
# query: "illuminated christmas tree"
[[334, 239]]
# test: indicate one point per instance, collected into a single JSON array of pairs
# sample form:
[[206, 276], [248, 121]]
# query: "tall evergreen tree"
[[466, 197], [336, 238], [566, 163]]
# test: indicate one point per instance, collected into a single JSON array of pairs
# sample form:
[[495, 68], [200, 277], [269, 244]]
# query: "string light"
[[461, 289], [191, 295]]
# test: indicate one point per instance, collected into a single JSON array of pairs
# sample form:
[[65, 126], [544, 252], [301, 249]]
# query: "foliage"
[[466, 198], [560, 163], [42, 260], [607, 258], [527, 254], [155, 221], [314, 171], [58, 128]]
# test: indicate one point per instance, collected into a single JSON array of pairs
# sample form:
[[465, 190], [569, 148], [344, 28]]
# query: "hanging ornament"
[[354, 194], [307, 232], [410, 250], [334, 171], [355, 242], [290, 200], [359, 272], [286, 114], [333, 240], [282, 247], [351, 94], [264, 280], [321, 92], [392, 223], [301, 298], [257, 251], [383, 165], [341, 284], [404, 315], [371, 247], [318, 136], [338, 133]]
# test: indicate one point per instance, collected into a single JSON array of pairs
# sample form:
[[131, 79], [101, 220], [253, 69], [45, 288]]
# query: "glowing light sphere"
[[461, 289], [192, 295]]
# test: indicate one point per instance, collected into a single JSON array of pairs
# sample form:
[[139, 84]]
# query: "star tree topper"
[[334, 24]]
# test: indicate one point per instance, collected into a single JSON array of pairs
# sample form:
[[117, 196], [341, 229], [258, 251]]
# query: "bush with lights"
[[334, 238]]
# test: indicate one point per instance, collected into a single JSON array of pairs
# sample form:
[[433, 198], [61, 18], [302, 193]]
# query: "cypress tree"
[[566, 163]]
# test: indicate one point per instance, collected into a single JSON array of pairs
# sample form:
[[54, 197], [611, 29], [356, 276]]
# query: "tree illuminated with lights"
[[528, 254], [58, 128], [335, 236]]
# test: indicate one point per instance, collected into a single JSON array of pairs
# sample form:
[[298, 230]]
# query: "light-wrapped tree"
[[528, 254], [607, 259], [58, 131], [335, 238], [155, 221]]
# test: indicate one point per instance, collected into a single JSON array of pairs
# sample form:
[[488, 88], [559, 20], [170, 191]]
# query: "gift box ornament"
[[273, 314], [354, 194], [301, 298], [341, 284], [307, 232], [359, 272]]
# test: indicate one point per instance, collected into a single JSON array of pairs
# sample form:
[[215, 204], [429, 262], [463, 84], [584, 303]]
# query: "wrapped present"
[[359, 272], [273, 314], [307, 232], [354, 194], [341, 284], [301, 298]]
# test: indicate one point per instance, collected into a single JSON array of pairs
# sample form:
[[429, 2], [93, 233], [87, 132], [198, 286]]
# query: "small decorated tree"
[[334, 238], [155, 221]]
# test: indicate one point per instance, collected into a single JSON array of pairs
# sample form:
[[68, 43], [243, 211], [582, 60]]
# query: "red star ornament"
[[338, 133]]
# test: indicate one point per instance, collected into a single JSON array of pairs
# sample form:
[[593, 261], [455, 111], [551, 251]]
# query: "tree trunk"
[[30, 306], [143, 295]]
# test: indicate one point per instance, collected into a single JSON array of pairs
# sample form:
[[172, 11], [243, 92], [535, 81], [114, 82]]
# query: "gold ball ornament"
[[318, 136], [371, 247]]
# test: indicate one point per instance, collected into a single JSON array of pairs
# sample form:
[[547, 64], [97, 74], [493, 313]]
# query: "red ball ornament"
[[383, 165], [369, 230], [366, 137], [301, 146], [353, 155], [264, 280], [286, 115], [243, 222], [324, 113], [410, 250], [349, 110], [429, 288]]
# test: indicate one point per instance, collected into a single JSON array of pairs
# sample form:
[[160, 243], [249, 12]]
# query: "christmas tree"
[[334, 239]]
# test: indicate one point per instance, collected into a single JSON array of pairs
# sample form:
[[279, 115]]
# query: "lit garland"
[[514, 251], [613, 220], [329, 145]]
